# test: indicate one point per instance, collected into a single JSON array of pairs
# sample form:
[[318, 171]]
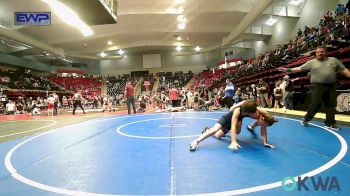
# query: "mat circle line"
[[160, 137]]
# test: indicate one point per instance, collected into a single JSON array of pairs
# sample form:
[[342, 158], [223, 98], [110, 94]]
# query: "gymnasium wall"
[[133, 62], [92, 67], [21, 62], [287, 28]]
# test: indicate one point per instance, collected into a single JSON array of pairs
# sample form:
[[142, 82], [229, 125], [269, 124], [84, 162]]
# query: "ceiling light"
[[271, 21], [69, 16], [181, 18], [121, 52], [179, 1], [25, 45], [66, 60], [109, 42], [181, 26], [295, 2], [180, 9], [197, 48], [178, 48], [102, 54]]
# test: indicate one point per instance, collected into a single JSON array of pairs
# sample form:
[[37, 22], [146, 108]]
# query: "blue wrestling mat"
[[148, 155]]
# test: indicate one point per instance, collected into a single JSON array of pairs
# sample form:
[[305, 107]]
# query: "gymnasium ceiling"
[[143, 26]]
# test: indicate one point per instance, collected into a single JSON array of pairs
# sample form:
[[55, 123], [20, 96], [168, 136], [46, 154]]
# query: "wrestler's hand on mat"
[[269, 145], [234, 146]]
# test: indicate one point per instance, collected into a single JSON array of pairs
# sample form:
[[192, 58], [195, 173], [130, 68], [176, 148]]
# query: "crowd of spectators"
[[21, 79], [333, 30], [116, 84], [22, 105], [89, 86], [177, 80]]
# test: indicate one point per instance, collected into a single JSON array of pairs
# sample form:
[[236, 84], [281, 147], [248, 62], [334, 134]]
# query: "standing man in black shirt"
[[77, 99]]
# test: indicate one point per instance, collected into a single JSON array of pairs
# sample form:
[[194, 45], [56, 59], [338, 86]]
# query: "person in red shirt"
[[50, 105], [174, 96], [129, 93]]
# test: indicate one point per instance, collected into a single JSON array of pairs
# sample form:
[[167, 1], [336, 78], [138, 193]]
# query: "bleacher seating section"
[[88, 86]]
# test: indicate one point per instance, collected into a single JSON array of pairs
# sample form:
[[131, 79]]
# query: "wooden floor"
[[338, 117]]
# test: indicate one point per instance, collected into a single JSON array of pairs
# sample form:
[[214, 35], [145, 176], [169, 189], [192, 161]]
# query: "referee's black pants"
[[76, 104], [326, 94]]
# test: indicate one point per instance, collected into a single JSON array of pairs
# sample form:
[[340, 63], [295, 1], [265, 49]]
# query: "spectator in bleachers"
[[262, 88], [277, 91], [57, 100], [288, 101], [237, 97], [283, 85], [271, 86], [229, 92], [253, 92], [199, 103], [35, 110], [3, 97], [95, 102], [20, 105], [189, 96], [107, 103], [340, 10], [165, 101], [183, 97], [156, 102], [65, 102], [306, 31], [142, 105], [247, 93], [346, 24], [10, 108], [299, 33], [2, 108]]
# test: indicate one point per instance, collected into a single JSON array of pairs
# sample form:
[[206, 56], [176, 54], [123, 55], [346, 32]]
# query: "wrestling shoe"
[[193, 146], [332, 127], [304, 123]]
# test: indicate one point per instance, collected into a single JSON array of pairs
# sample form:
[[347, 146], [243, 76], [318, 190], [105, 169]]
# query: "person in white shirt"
[[189, 99], [10, 107], [35, 108], [106, 104]]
